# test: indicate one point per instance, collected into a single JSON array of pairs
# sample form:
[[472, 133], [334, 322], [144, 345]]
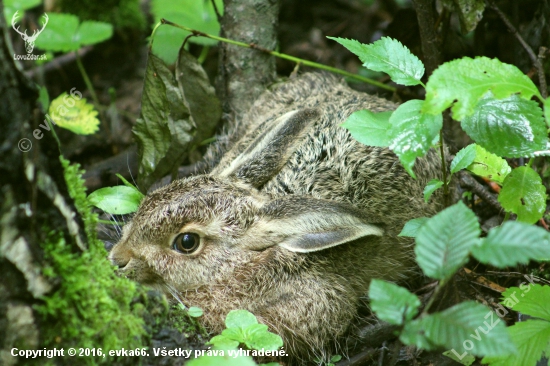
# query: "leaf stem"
[[282, 55], [90, 87], [433, 297]]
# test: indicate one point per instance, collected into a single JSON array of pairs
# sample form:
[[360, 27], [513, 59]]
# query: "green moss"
[[91, 306]]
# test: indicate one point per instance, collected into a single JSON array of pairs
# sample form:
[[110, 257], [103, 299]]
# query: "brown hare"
[[291, 223]]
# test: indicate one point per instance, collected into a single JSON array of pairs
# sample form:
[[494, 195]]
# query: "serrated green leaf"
[[432, 186], [469, 323], [512, 127], [234, 333], [524, 194], [118, 200], [199, 15], [195, 312], [240, 318], [92, 32], [513, 243], [489, 165], [547, 111], [444, 241], [74, 114], [412, 226], [463, 158], [57, 36], [259, 338], [412, 133], [387, 55], [413, 335], [533, 300], [392, 303], [531, 339], [462, 83], [369, 128]]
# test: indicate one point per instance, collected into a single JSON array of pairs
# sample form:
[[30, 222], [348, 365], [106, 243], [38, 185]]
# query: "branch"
[[425, 14], [528, 49]]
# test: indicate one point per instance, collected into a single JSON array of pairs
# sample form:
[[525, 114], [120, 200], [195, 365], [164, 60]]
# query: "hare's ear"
[[303, 225], [269, 152]]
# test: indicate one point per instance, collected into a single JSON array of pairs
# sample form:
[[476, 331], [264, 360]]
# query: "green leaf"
[[462, 83], [235, 333], [118, 200], [199, 15], [531, 340], [511, 127], [463, 158], [489, 165], [412, 133], [369, 128], [513, 243], [177, 114], [466, 359], [413, 335], [547, 111], [387, 55], [240, 318], [392, 303], [534, 300], [262, 339], [74, 114], [11, 6], [524, 194], [412, 226], [469, 323], [444, 241], [126, 183], [432, 186], [194, 312], [92, 32], [63, 33], [57, 36], [335, 358], [43, 97]]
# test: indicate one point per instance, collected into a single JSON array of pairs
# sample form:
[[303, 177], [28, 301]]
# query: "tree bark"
[[431, 48], [245, 73]]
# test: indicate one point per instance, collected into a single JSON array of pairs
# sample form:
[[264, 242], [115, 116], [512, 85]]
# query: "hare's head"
[[205, 229]]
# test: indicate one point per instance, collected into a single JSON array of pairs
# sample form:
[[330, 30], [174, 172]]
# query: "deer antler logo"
[[29, 40]]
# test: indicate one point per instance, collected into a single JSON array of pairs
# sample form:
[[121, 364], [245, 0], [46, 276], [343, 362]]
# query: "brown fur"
[[292, 229]]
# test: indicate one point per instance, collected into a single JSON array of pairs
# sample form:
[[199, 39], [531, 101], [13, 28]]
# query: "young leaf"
[[369, 128], [511, 127], [463, 158], [259, 338], [413, 334], [240, 319], [531, 340], [194, 312], [412, 133], [489, 165], [412, 226], [75, 115], [392, 303], [513, 243], [444, 241], [430, 188], [387, 55], [118, 200], [467, 323], [126, 183], [524, 194], [534, 300], [467, 80]]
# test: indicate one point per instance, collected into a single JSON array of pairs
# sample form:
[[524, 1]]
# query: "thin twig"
[[528, 49], [467, 181], [282, 55], [218, 14], [57, 62]]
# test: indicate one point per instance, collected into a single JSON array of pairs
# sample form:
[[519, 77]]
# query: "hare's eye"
[[186, 243]]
